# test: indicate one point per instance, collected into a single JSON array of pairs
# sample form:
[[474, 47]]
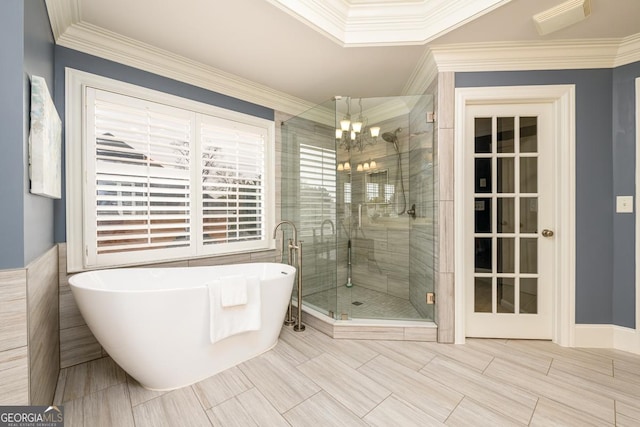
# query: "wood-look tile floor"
[[310, 380]]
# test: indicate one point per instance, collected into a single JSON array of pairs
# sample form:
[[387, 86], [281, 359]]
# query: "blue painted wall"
[[605, 167], [65, 57], [26, 228], [12, 135], [624, 131], [38, 61]]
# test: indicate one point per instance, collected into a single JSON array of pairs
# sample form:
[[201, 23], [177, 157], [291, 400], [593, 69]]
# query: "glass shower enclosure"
[[358, 181]]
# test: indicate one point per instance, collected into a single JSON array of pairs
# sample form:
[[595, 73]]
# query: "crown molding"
[[70, 32], [507, 56], [326, 17], [629, 51], [390, 23], [387, 108], [423, 74], [392, 107], [523, 56], [105, 44], [62, 15]]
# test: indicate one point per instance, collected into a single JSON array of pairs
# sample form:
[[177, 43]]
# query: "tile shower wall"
[[444, 179], [29, 345], [393, 253], [279, 118], [379, 233]]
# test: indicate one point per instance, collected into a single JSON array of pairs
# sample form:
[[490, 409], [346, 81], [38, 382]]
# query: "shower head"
[[389, 137], [392, 137]]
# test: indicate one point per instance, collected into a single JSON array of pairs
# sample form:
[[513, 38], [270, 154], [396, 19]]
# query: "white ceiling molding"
[[391, 107], [105, 44], [327, 17], [554, 55], [62, 15], [387, 108], [628, 51], [500, 56], [425, 72], [390, 23]]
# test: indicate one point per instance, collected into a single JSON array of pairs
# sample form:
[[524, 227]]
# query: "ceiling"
[[291, 48]]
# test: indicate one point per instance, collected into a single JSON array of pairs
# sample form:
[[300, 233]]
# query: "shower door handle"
[[359, 216]]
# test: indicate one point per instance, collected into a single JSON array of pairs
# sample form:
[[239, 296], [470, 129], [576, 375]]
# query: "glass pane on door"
[[506, 215]]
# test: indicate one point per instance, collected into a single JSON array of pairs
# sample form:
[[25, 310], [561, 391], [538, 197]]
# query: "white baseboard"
[[607, 336]]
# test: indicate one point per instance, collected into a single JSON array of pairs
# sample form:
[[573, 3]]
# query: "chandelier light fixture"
[[356, 134]]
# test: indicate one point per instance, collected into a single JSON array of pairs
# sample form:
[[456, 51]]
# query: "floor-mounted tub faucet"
[[295, 260]]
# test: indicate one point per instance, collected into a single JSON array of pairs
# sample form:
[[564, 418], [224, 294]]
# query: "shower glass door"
[[309, 199], [357, 178], [422, 227], [386, 213]]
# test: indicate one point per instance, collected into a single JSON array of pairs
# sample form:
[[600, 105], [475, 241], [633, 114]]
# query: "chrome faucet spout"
[[295, 230]]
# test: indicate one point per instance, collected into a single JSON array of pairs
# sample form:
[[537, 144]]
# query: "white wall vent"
[[562, 16]]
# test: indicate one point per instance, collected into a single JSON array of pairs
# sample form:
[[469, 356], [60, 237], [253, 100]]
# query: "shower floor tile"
[[359, 302]]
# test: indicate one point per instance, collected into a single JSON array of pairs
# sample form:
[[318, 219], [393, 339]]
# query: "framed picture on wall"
[[45, 145]]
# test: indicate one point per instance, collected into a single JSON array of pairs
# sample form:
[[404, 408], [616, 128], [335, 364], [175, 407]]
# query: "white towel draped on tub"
[[233, 291], [234, 305]]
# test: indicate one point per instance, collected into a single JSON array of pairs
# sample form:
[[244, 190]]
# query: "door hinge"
[[431, 298], [431, 117]]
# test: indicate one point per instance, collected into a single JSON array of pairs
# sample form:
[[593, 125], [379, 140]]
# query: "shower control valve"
[[412, 212]]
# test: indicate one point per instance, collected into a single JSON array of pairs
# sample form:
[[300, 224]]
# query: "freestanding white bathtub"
[[155, 322]]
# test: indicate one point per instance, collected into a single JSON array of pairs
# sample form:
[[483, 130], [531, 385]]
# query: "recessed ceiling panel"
[[390, 22]]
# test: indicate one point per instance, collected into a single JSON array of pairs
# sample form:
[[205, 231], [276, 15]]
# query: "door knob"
[[547, 233]]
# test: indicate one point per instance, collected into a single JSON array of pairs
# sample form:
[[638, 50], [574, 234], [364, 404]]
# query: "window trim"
[[75, 175]]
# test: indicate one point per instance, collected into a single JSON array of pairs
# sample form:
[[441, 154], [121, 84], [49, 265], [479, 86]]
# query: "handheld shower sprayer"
[[392, 137]]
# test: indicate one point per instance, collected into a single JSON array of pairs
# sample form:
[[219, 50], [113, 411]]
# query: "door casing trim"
[[637, 212], [562, 99]]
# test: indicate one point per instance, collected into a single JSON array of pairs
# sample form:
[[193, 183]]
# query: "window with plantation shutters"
[[162, 182], [233, 187], [317, 187], [138, 165]]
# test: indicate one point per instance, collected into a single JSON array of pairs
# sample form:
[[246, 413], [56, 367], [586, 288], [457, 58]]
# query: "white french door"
[[508, 213]]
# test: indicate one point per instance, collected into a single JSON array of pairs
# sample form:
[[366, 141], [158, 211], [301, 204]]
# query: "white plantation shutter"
[[163, 183], [139, 179], [233, 183], [317, 187]]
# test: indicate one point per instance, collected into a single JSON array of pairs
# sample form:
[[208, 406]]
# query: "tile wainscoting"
[[14, 356], [29, 344]]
